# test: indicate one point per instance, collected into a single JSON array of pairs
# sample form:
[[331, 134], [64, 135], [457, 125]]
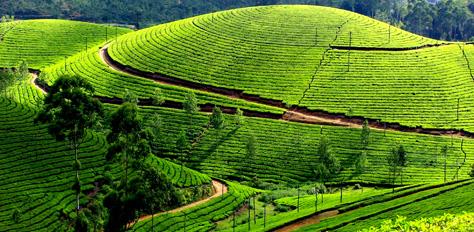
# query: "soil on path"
[[293, 114], [33, 82], [308, 221], [218, 189]]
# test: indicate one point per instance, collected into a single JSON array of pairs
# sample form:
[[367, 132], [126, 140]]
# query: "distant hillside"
[[441, 19]]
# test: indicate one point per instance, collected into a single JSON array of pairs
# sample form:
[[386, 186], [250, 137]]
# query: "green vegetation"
[[112, 83], [159, 150], [282, 45], [201, 218], [44, 42], [448, 222], [425, 203], [294, 55]]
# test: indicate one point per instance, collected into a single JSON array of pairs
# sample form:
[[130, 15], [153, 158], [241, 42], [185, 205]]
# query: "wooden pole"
[[298, 199], [315, 199], [349, 52], [254, 211], [457, 113], [264, 215], [249, 215]]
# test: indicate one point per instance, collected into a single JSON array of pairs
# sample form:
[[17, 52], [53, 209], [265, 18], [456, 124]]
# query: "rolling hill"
[[331, 68]]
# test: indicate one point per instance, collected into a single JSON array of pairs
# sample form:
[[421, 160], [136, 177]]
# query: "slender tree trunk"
[[445, 164], [340, 200], [76, 157]]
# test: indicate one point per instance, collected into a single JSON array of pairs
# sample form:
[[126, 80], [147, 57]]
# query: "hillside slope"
[[321, 58], [44, 42]]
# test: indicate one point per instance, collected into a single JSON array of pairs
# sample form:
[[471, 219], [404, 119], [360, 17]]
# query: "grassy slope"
[[45, 42], [201, 218], [286, 152], [111, 83], [285, 45], [36, 170], [449, 199]]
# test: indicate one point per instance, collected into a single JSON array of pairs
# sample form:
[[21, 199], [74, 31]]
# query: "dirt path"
[[308, 221], [33, 82], [316, 218], [294, 114], [218, 189]]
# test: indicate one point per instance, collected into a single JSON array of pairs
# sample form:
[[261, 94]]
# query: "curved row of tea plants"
[[249, 48], [111, 83], [44, 42], [430, 87], [200, 218], [36, 170], [286, 151], [454, 198]]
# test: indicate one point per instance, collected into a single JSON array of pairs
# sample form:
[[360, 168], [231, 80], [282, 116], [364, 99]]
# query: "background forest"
[[439, 19]]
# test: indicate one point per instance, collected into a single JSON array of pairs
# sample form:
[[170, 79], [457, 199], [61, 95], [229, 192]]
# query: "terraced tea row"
[[44, 42], [286, 151], [429, 203], [200, 218], [36, 170], [430, 87], [111, 83], [246, 49]]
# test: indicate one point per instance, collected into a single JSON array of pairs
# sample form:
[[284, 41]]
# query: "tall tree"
[[328, 165], [251, 151], [392, 161], [191, 107], [239, 117], [361, 159], [402, 160], [156, 191], [70, 110], [183, 147], [129, 140], [158, 98], [217, 118], [420, 16]]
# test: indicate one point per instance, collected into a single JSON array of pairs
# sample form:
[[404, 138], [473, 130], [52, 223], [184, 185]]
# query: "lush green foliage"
[[448, 222], [44, 42], [281, 45], [452, 198], [113, 83], [446, 19], [201, 218]]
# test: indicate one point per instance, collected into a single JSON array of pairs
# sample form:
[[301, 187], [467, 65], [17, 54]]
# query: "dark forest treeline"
[[440, 19]]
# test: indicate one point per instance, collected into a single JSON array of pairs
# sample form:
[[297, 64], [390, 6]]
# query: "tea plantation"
[[325, 64]]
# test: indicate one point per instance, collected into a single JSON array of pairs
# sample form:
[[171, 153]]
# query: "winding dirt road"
[[308, 221], [218, 189]]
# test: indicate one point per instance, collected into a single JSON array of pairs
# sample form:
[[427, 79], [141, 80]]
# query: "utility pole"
[[457, 112], [184, 222], [298, 199], [316, 37], [315, 199], [389, 32], [264, 215], [249, 215], [106, 33], [254, 211], [349, 52]]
